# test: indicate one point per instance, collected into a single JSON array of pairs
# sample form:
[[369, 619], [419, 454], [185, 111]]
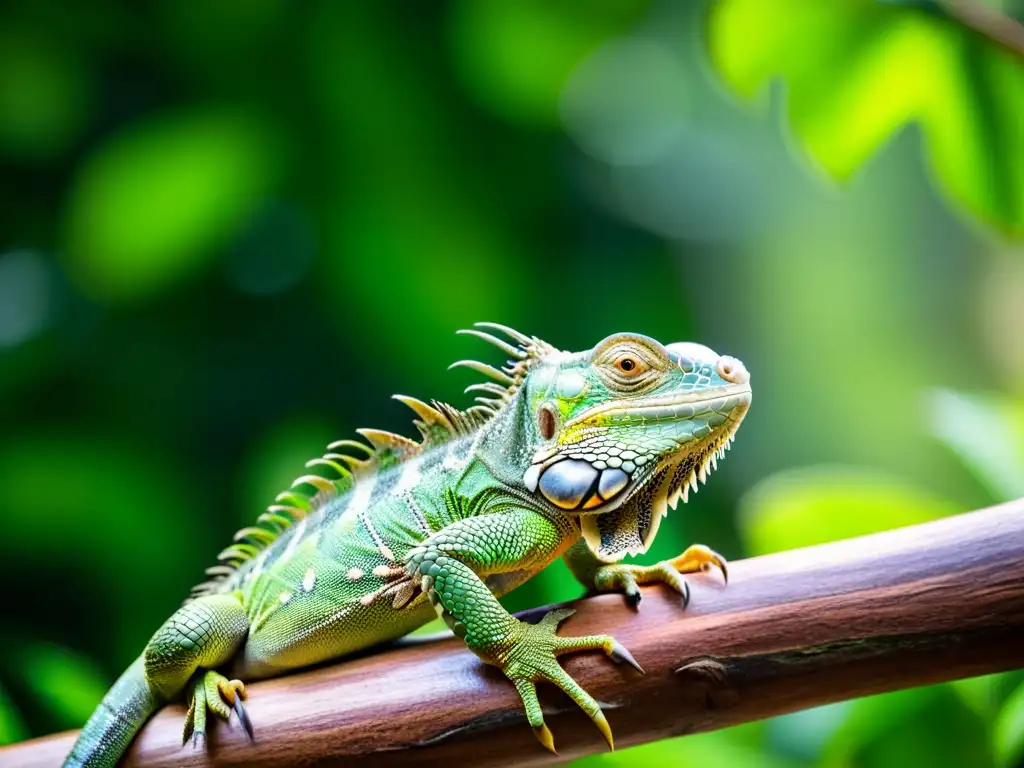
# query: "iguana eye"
[[629, 365]]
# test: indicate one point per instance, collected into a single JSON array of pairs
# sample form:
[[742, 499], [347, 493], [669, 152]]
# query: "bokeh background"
[[229, 230]]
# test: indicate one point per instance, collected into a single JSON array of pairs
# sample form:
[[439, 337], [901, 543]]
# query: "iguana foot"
[[531, 657], [628, 578], [214, 692]]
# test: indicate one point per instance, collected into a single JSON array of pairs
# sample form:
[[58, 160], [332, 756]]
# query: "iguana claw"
[[628, 578], [533, 658], [215, 693], [243, 717]]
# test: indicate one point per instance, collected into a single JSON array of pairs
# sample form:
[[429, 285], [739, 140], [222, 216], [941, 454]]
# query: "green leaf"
[[12, 727], [857, 72], [920, 726], [1008, 731], [986, 432], [805, 732], [737, 747], [103, 510], [986, 694], [66, 684], [153, 204], [516, 57], [45, 95], [406, 194], [798, 508]]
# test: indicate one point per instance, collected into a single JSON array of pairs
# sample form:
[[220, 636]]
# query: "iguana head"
[[624, 430], [614, 435]]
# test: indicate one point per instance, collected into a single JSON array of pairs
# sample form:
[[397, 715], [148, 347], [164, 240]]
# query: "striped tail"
[[117, 719]]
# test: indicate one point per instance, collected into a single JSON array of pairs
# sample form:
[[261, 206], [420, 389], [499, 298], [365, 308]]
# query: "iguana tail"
[[123, 711]]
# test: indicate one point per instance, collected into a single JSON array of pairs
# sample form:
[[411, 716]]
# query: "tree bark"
[[909, 607]]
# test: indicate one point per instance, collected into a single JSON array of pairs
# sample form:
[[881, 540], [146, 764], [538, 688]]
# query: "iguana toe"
[[628, 578], [700, 558], [212, 692], [533, 658]]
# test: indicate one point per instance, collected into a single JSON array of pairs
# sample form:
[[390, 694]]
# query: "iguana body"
[[573, 455]]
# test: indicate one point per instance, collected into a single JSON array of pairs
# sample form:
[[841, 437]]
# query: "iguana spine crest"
[[437, 423]]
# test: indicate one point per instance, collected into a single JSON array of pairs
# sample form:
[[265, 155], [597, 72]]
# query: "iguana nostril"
[[732, 370]]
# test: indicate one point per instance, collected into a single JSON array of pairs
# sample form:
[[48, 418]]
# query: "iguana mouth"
[[596, 474], [672, 408]]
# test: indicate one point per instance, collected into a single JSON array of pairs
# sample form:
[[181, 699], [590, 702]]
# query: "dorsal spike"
[[339, 444], [235, 550], [336, 457], [486, 370], [272, 518], [362, 466], [463, 422], [382, 440], [327, 461], [513, 334], [320, 483], [431, 416], [260, 535], [215, 571], [291, 498], [508, 349], [488, 386], [296, 513], [351, 461]]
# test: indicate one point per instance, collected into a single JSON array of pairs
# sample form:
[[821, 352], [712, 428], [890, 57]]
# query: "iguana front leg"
[[617, 577], [450, 565]]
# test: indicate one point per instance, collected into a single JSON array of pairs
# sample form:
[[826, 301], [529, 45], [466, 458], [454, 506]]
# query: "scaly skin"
[[571, 455]]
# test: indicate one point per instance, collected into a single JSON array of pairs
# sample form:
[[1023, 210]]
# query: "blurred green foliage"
[[872, 68], [228, 231]]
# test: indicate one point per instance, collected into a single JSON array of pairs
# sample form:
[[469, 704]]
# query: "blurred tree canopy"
[[229, 230]]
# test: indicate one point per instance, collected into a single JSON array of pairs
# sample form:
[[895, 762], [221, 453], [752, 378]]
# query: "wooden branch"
[[998, 27], [908, 607]]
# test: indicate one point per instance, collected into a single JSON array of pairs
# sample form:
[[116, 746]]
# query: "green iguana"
[[564, 455]]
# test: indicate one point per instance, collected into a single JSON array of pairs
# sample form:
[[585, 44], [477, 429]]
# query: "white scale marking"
[[296, 539], [410, 477], [421, 519], [360, 507], [454, 463]]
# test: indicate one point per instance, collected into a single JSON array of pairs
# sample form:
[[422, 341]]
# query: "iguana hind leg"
[[202, 634]]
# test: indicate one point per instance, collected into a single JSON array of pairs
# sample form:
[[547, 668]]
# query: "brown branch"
[[919, 605], [987, 21]]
